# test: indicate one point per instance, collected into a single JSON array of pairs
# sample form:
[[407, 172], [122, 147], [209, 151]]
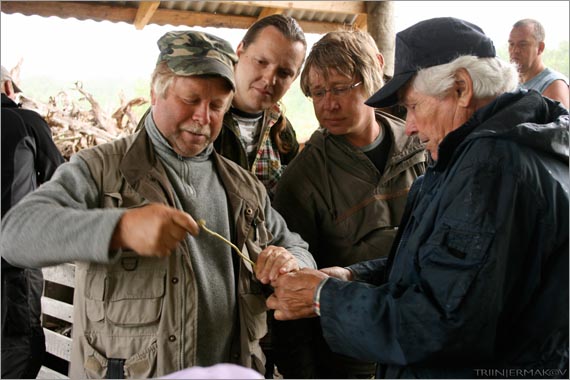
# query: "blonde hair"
[[161, 79], [351, 53]]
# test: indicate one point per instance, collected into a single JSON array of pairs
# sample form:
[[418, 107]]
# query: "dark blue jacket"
[[29, 155], [478, 278]]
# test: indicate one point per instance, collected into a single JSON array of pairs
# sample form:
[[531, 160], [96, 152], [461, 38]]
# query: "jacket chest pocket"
[[258, 233], [127, 298], [136, 297]]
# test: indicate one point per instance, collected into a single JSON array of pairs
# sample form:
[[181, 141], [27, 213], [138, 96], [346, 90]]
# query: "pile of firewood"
[[78, 121]]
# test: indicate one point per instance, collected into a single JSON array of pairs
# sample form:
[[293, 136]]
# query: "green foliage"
[[557, 59], [299, 111]]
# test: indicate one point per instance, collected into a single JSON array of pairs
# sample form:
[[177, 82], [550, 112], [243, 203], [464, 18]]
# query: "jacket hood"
[[525, 117], [7, 102]]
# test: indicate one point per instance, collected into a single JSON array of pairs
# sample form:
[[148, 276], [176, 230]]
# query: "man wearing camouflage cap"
[[154, 294]]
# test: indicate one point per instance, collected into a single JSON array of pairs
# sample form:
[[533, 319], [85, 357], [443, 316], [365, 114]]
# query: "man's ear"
[[541, 46], [463, 87], [152, 96], [240, 49], [8, 89]]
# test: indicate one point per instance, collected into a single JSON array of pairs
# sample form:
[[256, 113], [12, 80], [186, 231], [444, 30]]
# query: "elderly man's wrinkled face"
[[431, 118], [190, 116]]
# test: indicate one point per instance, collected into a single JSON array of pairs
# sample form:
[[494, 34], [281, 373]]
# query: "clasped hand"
[[294, 292], [156, 229]]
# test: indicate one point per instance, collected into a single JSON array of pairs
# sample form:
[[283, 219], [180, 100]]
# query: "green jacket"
[[268, 164], [336, 199]]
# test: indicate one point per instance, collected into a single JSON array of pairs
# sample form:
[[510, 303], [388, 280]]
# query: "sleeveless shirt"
[[543, 80]]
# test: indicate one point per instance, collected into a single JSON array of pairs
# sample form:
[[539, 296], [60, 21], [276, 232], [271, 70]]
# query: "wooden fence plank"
[[54, 305], [57, 309], [63, 274], [58, 345], [48, 373]]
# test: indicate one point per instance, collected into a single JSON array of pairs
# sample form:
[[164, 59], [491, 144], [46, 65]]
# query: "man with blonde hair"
[[345, 193]]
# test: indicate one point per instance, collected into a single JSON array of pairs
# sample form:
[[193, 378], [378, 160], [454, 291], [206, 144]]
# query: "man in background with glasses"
[[345, 192]]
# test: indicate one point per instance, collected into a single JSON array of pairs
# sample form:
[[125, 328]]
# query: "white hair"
[[162, 79], [491, 77]]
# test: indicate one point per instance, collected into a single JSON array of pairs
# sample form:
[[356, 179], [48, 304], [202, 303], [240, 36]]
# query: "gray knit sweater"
[[199, 191]]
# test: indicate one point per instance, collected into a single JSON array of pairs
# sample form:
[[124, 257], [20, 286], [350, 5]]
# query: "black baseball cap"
[[430, 43]]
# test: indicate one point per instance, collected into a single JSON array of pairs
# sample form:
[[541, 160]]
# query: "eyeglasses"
[[338, 91]]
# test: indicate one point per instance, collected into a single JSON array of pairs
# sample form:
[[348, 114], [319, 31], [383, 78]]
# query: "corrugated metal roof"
[[246, 8], [314, 16]]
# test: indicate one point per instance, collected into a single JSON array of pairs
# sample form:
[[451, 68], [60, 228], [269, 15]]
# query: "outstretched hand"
[[338, 272], [153, 230]]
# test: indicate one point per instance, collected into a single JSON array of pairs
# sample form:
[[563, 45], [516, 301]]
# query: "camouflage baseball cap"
[[197, 53]]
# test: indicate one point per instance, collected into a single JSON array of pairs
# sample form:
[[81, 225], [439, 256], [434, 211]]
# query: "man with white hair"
[[476, 282]]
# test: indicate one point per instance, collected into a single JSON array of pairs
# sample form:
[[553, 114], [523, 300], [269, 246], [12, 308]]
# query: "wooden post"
[[381, 28]]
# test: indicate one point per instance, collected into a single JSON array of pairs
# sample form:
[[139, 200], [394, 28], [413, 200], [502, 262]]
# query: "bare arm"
[[558, 90]]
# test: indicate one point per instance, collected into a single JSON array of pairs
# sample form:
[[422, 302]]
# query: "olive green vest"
[[143, 310]]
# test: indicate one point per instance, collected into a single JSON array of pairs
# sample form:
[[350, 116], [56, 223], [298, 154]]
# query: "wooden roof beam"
[[321, 6], [144, 13], [176, 17], [71, 9], [190, 18], [268, 12], [102, 12], [361, 22]]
